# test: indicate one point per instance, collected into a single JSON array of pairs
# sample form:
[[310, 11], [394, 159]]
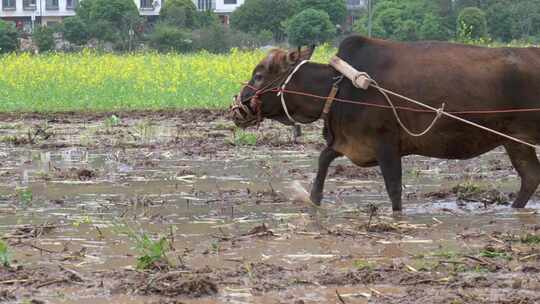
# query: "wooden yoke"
[[360, 80]]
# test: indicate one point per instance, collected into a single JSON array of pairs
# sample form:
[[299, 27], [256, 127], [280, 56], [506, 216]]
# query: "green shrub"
[[213, 39], [471, 24], [8, 37], [75, 30], [241, 40], [168, 38], [265, 37], [43, 37]]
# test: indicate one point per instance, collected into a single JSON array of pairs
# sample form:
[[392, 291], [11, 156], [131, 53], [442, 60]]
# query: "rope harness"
[[363, 81]]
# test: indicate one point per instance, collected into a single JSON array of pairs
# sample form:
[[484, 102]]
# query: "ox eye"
[[257, 77]]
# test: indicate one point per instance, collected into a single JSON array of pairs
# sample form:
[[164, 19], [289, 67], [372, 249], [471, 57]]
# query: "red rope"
[[276, 90]]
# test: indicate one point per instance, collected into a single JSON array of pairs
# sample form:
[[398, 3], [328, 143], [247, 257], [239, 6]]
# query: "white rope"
[[442, 112], [282, 95], [439, 112]]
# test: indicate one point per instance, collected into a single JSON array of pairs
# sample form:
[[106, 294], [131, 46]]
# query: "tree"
[[506, 20], [309, 27], [255, 16], [336, 9], [110, 20], [525, 19], [43, 36], [8, 37], [500, 20], [432, 28], [206, 19], [471, 24], [388, 21], [482, 4], [408, 20], [407, 31], [181, 13], [74, 30]]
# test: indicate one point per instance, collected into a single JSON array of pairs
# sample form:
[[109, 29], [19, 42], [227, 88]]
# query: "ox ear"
[[296, 56]]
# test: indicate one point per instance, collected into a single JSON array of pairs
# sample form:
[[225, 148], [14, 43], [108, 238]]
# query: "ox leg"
[[525, 161], [389, 160], [327, 156], [297, 132]]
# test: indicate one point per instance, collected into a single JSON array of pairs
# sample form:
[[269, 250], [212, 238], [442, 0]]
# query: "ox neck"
[[312, 79]]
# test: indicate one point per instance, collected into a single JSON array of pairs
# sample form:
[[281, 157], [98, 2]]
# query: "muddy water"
[[187, 182]]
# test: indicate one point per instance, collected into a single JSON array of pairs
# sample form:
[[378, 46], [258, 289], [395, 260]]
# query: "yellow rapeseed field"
[[90, 81]]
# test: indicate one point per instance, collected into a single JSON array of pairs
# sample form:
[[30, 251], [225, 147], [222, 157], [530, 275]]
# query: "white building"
[[223, 8], [353, 6], [27, 12], [356, 4]]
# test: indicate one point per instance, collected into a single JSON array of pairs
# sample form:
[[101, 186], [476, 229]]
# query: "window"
[[229, 1], [9, 4], [29, 5], [205, 5], [72, 4], [51, 4], [146, 4]]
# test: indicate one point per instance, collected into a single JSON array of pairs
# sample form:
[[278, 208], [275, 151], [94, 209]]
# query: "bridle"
[[253, 112]]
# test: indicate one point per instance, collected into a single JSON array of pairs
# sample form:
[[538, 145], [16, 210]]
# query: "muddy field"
[[180, 208]]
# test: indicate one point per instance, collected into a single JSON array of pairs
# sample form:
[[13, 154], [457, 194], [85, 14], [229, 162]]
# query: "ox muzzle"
[[246, 113]]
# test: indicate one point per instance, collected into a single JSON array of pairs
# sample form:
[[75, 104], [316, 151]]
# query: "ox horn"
[[298, 55]]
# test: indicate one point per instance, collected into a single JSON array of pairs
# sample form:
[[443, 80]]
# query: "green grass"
[[25, 196], [90, 81], [243, 138], [150, 252], [363, 264], [494, 253], [5, 256], [530, 239]]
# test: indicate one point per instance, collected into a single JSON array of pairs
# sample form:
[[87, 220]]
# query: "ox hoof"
[[316, 199], [519, 205]]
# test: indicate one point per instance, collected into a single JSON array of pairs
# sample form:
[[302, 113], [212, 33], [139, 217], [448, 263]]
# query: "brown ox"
[[463, 77]]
